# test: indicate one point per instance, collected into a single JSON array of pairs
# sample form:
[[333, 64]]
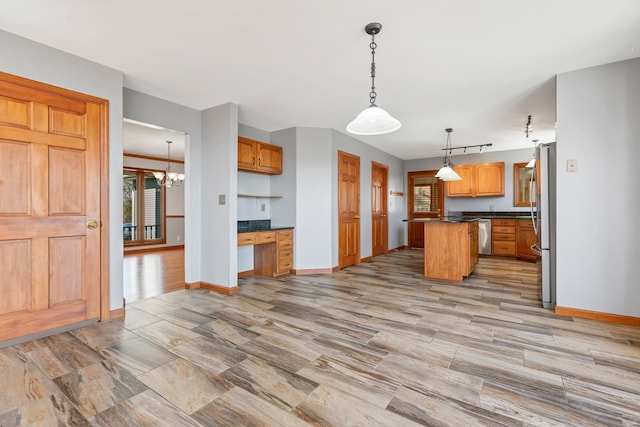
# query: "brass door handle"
[[357, 217], [92, 224]]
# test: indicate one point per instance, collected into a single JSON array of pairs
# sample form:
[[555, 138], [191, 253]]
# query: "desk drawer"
[[266, 237], [247, 239], [285, 264], [285, 235]]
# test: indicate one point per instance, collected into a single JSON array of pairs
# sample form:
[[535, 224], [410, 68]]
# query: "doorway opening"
[[153, 221]]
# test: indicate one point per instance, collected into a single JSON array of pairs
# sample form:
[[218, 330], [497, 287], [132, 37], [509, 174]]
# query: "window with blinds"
[[143, 208], [426, 195]]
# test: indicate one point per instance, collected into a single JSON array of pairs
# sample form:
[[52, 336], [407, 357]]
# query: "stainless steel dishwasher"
[[484, 236]]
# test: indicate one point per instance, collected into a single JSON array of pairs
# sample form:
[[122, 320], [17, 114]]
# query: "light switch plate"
[[222, 199], [572, 165]]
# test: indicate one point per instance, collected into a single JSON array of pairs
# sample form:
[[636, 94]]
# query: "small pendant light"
[[373, 120], [446, 173]]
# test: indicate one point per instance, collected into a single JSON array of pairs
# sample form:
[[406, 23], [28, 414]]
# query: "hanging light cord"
[[169, 156], [447, 153], [373, 46]]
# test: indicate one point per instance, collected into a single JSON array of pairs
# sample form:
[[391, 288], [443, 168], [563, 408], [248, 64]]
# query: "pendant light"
[[168, 178], [373, 120], [528, 130], [532, 162], [446, 173]]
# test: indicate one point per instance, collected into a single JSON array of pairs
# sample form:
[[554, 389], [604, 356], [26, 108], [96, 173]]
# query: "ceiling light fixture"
[[446, 173], [373, 120], [168, 178]]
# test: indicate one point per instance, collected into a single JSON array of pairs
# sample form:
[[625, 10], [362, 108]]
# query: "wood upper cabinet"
[[478, 180], [256, 156], [525, 238]]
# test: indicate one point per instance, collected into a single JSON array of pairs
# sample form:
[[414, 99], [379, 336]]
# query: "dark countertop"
[[265, 229], [259, 225], [492, 215], [443, 219]]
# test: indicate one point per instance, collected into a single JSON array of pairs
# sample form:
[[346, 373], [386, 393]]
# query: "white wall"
[[35, 61], [283, 211], [313, 199], [174, 201], [219, 152], [148, 109], [598, 111]]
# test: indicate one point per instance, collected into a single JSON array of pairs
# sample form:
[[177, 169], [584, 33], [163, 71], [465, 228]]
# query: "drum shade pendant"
[[168, 178], [373, 120], [446, 173]]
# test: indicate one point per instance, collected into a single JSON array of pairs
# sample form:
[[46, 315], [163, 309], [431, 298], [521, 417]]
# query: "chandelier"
[[373, 120], [168, 178]]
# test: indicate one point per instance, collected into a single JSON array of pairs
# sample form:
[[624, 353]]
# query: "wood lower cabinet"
[[525, 238], [478, 180], [285, 252], [450, 249], [256, 156], [503, 237], [473, 245], [272, 251]]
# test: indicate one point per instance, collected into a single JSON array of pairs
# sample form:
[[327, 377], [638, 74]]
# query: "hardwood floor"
[[374, 344], [149, 274]]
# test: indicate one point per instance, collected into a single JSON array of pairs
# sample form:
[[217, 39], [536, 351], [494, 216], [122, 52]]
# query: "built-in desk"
[[272, 250]]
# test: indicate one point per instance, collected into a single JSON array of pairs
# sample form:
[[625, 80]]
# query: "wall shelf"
[[259, 196]]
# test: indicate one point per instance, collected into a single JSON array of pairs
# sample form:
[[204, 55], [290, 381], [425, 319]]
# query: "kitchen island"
[[450, 247]]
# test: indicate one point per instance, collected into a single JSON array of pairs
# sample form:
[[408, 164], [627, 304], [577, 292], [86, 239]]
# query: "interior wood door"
[[348, 209], [379, 209], [50, 207], [425, 200]]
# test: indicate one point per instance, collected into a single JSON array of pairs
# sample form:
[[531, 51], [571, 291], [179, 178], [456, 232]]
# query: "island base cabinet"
[[450, 249]]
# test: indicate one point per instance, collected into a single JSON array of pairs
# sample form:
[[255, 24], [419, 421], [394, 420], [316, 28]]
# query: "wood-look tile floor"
[[375, 344]]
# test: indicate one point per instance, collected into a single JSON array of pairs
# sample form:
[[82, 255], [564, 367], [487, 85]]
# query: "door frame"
[[103, 106]]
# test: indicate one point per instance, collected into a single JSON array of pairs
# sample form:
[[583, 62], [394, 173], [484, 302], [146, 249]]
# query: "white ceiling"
[[479, 67]]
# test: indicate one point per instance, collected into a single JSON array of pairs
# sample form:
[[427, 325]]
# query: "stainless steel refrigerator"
[[544, 216]]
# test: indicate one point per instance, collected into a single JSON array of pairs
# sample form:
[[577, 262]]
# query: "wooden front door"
[[426, 200], [50, 207], [348, 209], [379, 220]]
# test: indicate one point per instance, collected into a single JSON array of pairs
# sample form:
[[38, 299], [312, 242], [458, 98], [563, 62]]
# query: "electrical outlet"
[[178, 238], [222, 199], [572, 165], [263, 207]]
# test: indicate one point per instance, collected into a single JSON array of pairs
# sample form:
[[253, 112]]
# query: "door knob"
[[357, 217], [92, 224]]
